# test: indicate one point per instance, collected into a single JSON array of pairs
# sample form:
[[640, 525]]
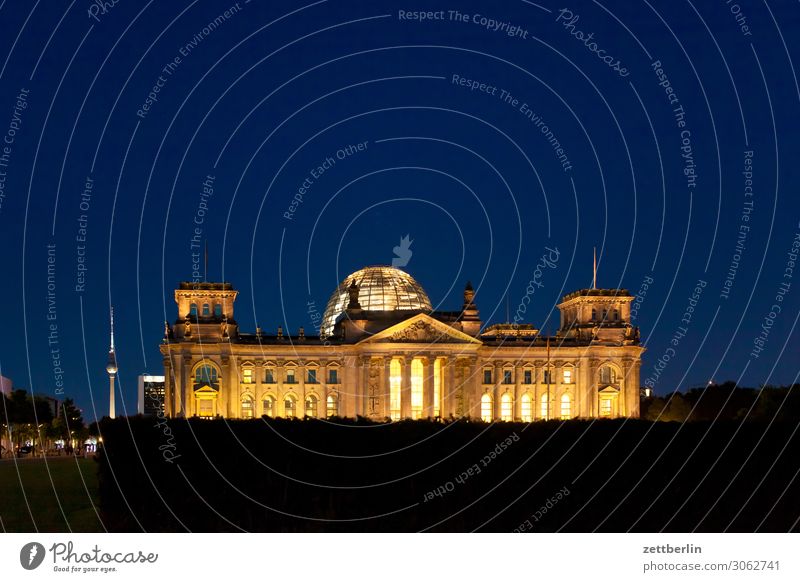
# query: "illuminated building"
[[151, 395], [383, 352]]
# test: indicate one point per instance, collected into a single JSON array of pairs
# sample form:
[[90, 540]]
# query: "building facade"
[[382, 352], [150, 401]]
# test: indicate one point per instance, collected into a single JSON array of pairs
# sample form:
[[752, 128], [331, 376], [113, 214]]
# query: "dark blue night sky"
[[663, 133]]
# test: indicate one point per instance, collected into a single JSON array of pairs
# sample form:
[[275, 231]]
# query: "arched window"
[[486, 408], [395, 380], [269, 406], [608, 375], [290, 407], [331, 406], [218, 310], [416, 388], [566, 407], [311, 406], [193, 310], [205, 375], [525, 408], [506, 408], [206, 310], [545, 411], [247, 406]]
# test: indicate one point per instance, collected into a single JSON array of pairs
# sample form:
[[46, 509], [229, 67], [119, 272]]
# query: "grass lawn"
[[74, 486]]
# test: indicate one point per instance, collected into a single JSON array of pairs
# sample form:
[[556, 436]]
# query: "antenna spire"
[[594, 272], [112, 328]]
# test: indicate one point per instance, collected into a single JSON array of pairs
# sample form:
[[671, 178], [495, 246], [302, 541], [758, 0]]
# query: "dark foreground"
[[57, 494], [577, 476]]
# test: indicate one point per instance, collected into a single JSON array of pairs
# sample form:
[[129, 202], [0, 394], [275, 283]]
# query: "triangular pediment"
[[421, 328], [609, 390]]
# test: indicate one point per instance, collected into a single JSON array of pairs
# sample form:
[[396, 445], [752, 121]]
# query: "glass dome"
[[381, 288]]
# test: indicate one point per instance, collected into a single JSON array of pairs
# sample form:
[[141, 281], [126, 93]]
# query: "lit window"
[[290, 379], [487, 376], [416, 388], [311, 406], [205, 408], [247, 376], [206, 310], [566, 407], [269, 377], [247, 407], [193, 310], [331, 406], [525, 408], [486, 408], [605, 407], [205, 375], [506, 409], [527, 377], [269, 406], [311, 377], [290, 407], [507, 377], [218, 310], [333, 376], [545, 411], [567, 375]]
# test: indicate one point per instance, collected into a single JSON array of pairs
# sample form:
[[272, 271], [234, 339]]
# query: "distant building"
[[6, 385], [151, 395]]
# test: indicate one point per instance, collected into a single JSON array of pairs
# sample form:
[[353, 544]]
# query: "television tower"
[[111, 368]]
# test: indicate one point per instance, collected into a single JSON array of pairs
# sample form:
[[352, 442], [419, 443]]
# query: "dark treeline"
[[581, 475], [726, 401], [40, 421]]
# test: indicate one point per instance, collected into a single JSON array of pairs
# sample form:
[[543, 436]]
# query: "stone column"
[[187, 398], [517, 391], [449, 387], [322, 379], [387, 389], [427, 386], [234, 390], [169, 389], [405, 388], [280, 396], [472, 396], [258, 371], [301, 388], [498, 389]]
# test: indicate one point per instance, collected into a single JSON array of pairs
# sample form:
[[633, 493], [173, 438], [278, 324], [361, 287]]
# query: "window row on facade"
[[547, 375], [208, 374]]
